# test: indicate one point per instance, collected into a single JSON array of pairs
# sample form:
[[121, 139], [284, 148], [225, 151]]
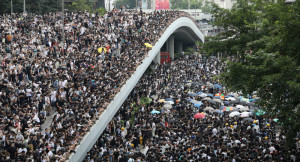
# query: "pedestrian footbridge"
[[182, 31]]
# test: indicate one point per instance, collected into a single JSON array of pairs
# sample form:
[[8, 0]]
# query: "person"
[[216, 137]]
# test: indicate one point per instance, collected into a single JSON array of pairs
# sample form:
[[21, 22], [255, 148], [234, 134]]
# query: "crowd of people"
[[40, 73], [165, 128]]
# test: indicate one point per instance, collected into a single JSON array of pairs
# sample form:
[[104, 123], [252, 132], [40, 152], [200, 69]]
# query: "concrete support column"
[[157, 58], [171, 46], [178, 47]]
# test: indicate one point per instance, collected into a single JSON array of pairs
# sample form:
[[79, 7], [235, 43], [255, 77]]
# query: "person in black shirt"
[[13, 151]]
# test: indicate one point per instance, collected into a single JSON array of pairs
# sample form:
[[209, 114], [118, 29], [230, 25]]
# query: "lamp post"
[[63, 25], [24, 7], [195, 10], [11, 7], [109, 5]]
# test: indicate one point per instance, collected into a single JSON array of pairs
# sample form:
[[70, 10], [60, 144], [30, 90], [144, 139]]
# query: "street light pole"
[[24, 7], [63, 26], [195, 10], [11, 7], [109, 5]]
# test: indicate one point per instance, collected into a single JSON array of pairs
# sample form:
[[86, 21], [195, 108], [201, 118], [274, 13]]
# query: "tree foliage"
[[46, 6], [264, 37], [183, 4], [81, 5], [129, 4], [32, 6]]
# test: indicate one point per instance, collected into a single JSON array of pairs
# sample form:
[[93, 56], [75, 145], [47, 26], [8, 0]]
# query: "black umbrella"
[[248, 120], [212, 101], [234, 102], [195, 83], [244, 103], [251, 104]]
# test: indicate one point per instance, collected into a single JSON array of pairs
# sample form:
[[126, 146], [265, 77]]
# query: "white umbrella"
[[245, 114], [209, 109], [167, 106], [230, 99], [217, 100], [244, 109], [233, 114], [240, 106], [206, 98], [203, 95], [169, 102]]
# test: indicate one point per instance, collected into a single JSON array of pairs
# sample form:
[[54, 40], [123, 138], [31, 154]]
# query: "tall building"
[[109, 4]]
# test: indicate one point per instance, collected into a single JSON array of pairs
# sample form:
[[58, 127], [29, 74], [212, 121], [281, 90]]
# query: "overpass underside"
[[181, 31], [176, 42]]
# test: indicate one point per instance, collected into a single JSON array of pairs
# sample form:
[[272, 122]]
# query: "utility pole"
[[11, 7], [63, 25], [153, 5], [195, 10], [24, 7], [109, 5], [189, 5]]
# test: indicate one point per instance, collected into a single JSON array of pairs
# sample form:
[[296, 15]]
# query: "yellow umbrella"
[[148, 45], [161, 100], [102, 48]]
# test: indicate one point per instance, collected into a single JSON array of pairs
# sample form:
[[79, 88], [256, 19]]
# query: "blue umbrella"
[[217, 86], [217, 97], [169, 99], [222, 107], [199, 93], [219, 111], [198, 104], [209, 95], [155, 112], [226, 102], [192, 94], [189, 99]]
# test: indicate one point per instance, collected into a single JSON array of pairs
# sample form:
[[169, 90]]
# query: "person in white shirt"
[[31, 130], [28, 94], [22, 149], [214, 131], [47, 104]]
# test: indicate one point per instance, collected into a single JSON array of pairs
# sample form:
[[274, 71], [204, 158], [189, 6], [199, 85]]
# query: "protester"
[[173, 134], [76, 79]]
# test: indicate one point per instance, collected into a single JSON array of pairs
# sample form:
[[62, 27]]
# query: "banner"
[[162, 4]]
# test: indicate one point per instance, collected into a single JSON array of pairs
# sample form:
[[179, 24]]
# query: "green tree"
[[207, 7], [32, 6], [129, 4], [81, 5], [183, 4], [264, 37], [101, 11], [5, 6]]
